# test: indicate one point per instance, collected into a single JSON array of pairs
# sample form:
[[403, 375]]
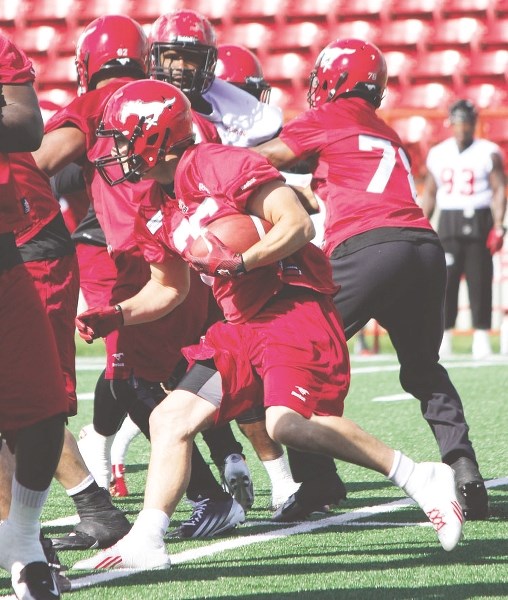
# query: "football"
[[237, 232]]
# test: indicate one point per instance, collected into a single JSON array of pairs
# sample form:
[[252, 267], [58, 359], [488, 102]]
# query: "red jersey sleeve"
[[224, 172], [15, 68]]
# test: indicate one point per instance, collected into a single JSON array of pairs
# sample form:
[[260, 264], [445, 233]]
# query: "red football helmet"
[[186, 34], [111, 42], [147, 119], [348, 66], [242, 68]]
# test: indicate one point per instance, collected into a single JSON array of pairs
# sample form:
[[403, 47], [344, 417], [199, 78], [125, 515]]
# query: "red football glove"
[[220, 260], [99, 322], [495, 239]]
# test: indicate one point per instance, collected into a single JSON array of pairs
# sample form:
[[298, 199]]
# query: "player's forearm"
[[151, 303], [284, 239], [498, 208]]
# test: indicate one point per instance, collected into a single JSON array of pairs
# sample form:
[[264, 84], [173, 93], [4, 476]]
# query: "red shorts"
[[293, 353], [57, 283], [31, 383], [97, 273], [152, 350]]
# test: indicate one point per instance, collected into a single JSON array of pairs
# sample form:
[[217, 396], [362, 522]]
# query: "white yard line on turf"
[[350, 518]]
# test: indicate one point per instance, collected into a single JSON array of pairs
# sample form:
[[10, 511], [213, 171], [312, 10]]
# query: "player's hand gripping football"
[[495, 239], [220, 260], [99, 322]]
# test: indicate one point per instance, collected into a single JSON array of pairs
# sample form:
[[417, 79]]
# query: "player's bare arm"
[[292, 226], [498, 184], [278, 153], [59, 148], [429, 195], [167, 288], [21, 125]]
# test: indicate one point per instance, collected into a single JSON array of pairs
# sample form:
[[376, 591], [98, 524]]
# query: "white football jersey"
[[239, 117], [462, 178]]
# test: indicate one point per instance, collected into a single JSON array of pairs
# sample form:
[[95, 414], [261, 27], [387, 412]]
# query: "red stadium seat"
[[495, 35], [47, 12], [488, 67], [398, 65], [255, 36], [59, 72], [427, 95], [93, 9], [500, 9], [319, 11], [218, 12], [264, 11], [426, 10], [36, 41], [414, 131], [147, 11], [305, 37], [495, 129], [9, 13], [288, 70], [480, 9], [460, 34], [362, 30], [367, 10], [485, 95], [442, 66], [290, 103], [407, 35]]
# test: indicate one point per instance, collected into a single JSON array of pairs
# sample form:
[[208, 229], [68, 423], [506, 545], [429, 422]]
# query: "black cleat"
[[300, 505], [101, 524], [55, 566], [210, 518], [471, 491], [35, 581]]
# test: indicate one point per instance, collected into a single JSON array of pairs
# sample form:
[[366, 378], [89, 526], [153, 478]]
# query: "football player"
[[465, 175], [184, 52], [282, 346], [33, 400], [383, 250], [110, 51]]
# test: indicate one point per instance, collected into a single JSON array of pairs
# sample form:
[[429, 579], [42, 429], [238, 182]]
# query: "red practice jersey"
[[15, 68], [363, 173], [205, 191]]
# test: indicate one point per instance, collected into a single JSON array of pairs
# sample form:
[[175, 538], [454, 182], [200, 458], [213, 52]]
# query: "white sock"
[[20, 532], [26, 508], [87, 481], [96, 452], [150, 526], [278, 470], [127, 432], [401, 470]]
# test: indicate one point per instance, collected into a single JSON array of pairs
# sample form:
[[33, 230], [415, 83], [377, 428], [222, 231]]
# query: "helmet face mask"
[[348, 67], [115, 44], [146, 120], [187, 38]]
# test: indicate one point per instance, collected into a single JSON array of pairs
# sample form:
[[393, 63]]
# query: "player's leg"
[[431, 485], [173, 426], [271, 454], [478, 269], [414, 323]]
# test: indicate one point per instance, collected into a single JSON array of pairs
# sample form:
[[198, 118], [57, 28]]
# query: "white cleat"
[[432, 486], [126, 554]]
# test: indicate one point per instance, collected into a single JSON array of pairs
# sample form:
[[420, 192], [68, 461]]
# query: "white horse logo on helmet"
[[151, 111], [330, 55]]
